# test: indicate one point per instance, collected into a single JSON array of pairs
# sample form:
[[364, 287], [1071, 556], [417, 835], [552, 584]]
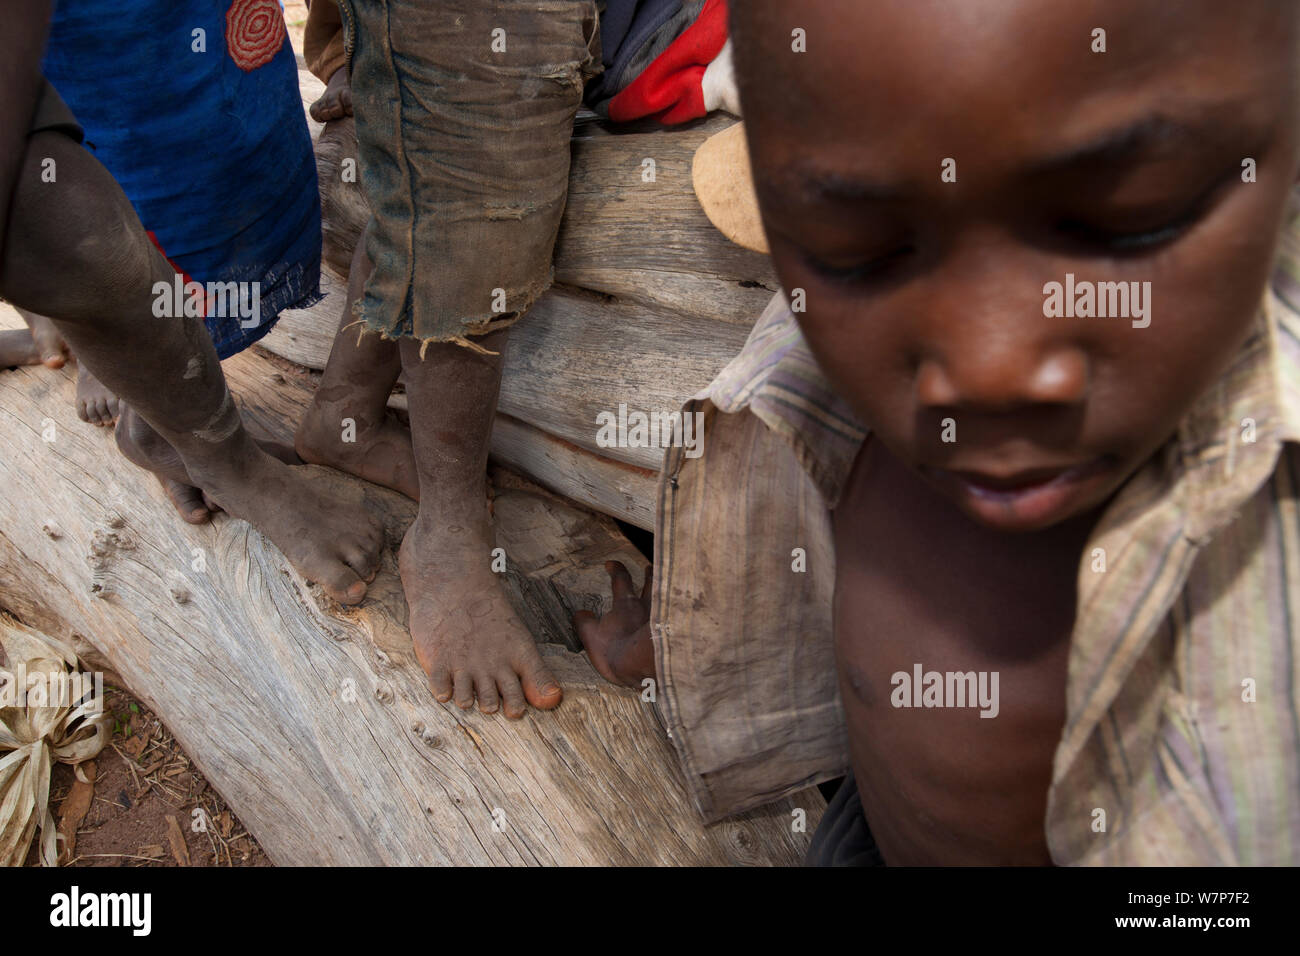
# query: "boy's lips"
[[1025, 499]]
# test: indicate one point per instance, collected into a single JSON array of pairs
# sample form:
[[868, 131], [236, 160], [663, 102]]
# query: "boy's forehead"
[[908, 26], [1037, 68], [952, 43]]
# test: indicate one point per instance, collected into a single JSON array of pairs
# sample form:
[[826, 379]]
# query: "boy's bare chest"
[[952, 650]]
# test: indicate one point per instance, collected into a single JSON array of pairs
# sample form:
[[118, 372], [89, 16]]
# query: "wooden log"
[[571, 358], [650, 242], [613, 487], [314, 722]]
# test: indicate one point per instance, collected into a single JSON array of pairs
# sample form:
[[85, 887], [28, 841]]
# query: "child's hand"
[[619, 643]]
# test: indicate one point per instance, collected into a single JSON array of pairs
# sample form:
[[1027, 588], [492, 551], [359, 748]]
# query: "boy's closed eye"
[[1127, 195]]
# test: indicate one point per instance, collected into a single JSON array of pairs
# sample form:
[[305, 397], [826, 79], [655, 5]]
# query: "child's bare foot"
[[379, 451], [619, 642], [51, 348], [144, 447], [467, 637], [330, 541], [336, 101], [42, 344], [95, 403]]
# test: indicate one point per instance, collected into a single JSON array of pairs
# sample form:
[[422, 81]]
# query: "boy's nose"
[[981, 339], [999, 377]]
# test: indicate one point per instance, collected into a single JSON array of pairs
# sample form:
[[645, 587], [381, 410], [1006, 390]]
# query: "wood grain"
[[314, 722]]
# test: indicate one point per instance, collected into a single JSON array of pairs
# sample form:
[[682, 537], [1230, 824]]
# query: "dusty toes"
[[86, 411], [188, 501], [338, 581], [326, 108], [540, 686], [440, 684], [98, 410], [344, 554], [95, 403], [363, 553], [512, 695], [463, 694], [485, 688]]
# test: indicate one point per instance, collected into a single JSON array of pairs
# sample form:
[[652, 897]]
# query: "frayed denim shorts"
[[464, 114]]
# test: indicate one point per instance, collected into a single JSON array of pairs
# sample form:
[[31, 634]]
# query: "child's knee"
[[74, 243]]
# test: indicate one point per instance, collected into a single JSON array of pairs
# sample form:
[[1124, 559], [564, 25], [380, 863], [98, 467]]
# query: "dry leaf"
[[36, 737], [136, 743], [180, 852], [74, 808]]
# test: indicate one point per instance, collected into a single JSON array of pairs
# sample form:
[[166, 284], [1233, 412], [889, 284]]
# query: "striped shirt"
[[1181, 743]]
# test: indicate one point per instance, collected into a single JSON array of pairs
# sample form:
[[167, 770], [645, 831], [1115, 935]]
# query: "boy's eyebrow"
[[1214, 124], [815, 184], [818, 185], [1159, 131]]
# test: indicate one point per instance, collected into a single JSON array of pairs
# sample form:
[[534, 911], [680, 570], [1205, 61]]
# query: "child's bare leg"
[[21, 44], [467, 636], [38, 344], [87, 227], [147, 449], [17, 348], [355, 388], [143, 446]]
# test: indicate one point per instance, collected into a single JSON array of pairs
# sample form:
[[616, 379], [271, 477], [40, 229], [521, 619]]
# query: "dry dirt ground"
[[148, 805], [144, 803]]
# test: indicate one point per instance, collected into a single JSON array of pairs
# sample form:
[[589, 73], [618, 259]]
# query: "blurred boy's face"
[[925, 298]]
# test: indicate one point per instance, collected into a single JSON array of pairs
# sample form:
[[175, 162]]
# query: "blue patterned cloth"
[[193, 106]]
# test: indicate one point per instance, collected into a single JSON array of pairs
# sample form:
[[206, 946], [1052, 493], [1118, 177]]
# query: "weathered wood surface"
[[651, 301], [557, 380], [314, 722]]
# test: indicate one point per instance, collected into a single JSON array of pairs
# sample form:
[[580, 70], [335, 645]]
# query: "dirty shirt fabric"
[[464, 112], [193, 107], [1183, 693]]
